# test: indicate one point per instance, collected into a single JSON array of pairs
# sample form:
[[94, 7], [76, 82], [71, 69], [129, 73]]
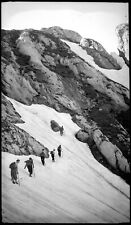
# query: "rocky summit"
[[39, 68]]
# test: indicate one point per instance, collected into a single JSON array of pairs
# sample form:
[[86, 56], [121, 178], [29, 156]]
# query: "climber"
[[59, 149], [29, 165], [42, 155], [14, 171], [53, 155], [61, 130]]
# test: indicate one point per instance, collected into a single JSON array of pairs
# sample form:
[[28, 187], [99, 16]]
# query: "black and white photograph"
[[65, 112]]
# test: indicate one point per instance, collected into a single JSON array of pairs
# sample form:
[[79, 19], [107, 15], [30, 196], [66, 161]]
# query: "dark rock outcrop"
[[18, 142], [121, 54], [101, 57], [8, 112], [14, 139]]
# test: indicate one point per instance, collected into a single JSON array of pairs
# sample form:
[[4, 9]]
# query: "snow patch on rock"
[[120, 76]]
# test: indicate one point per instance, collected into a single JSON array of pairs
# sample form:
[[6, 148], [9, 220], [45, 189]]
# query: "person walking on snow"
[[61, 130], [59, 149], [30, 165], [53, 155], [14, 171], [42, 155]]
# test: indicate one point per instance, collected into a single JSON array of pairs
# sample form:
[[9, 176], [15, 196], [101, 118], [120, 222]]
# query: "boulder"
[[111, 152], [82, 136], [55, 126]]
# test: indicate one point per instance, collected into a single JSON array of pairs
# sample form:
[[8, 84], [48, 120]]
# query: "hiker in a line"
[[53, 155], [14, 171], [61, 130], [30, 165], [42, 155], [59, 149]]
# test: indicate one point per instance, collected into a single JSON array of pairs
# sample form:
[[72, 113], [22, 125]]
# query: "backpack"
[[55, 126], [12, 165], [29, 162]]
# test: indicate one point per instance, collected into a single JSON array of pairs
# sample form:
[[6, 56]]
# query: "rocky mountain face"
[[101, 57], [14, 139], [63, 34], [122, 32], [38, 67]]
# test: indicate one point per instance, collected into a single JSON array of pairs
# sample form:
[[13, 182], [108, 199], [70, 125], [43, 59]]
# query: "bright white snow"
[[75, 188], [120, 76]]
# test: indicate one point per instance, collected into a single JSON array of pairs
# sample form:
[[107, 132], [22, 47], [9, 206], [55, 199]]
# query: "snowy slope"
[[75, 188], [119, 76]]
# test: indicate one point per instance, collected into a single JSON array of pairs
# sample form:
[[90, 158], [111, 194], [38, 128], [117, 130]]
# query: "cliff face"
[[41, 65], [122, 32], [37, 67]]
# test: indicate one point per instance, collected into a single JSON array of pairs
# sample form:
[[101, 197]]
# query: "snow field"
[[75, 188]]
